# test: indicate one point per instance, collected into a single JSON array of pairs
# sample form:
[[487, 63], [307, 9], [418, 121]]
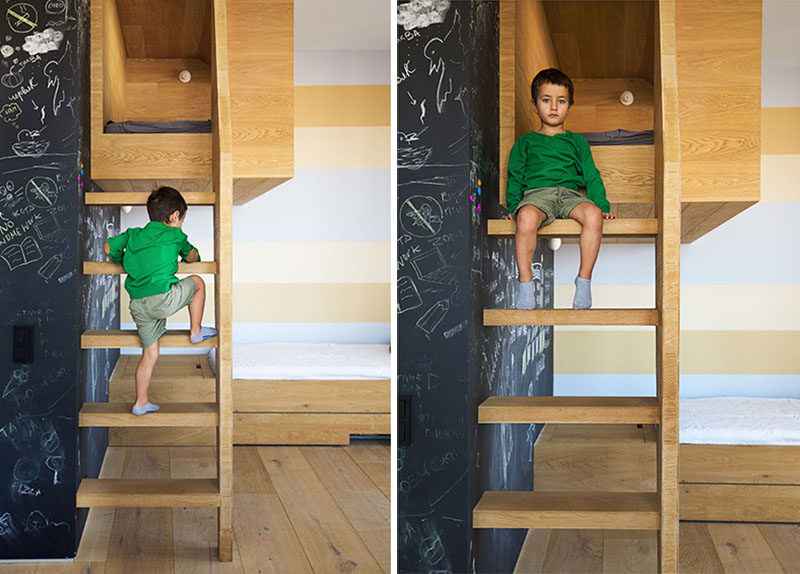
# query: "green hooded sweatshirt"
[[149, 256]]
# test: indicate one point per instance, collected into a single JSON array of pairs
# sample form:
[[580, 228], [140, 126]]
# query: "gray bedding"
[[175, 127], [619, 137]]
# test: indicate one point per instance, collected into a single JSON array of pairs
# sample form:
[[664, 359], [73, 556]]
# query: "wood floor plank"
[[250, 475], [146, 462], [784, 539], [62, 568], [329, 540], [141, 541], [194, 533], [742, 548], [267, 541], [629, 551], [193, 462], [533, 552], [697, 552], [364, 505], [573, 551], [373, 458]]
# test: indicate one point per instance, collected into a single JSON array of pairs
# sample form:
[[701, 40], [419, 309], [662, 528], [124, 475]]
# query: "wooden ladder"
[[613, 510], [182, 492]]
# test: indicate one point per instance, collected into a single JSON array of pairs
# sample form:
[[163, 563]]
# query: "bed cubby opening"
[[606, 48]]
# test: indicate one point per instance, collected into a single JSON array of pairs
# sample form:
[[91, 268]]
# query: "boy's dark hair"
[[163, 202], [551, 76]]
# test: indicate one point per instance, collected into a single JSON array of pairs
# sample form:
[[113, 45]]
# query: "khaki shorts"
[[150, 313], [555, 202]]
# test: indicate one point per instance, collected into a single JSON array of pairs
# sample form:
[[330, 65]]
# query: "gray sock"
[[148, 408], [583, 294], [525, 295]]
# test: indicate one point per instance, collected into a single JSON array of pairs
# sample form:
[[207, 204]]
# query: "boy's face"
[[552, 104]]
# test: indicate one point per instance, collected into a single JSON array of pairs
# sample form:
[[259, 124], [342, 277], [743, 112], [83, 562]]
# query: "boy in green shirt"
[[149, 256], [545, 170]]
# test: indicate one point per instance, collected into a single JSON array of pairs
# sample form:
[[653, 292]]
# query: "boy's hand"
[[609, 215], [509, 216], [107, 249], [192, 257]]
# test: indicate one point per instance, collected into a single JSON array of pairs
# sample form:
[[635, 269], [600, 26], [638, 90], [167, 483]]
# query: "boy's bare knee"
[[528, 220], [150, 354], [198, 281]]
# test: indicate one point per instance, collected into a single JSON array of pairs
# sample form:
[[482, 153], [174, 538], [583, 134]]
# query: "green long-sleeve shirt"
[[149, 256], [539, 160]]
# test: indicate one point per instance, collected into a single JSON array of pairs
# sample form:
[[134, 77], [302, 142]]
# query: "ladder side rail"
[[668, 211], [222, 170]]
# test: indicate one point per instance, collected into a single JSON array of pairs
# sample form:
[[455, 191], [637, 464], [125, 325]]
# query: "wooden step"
[[597, 410], [592, 510], [570, 228], [498, 317], [109, 268], [140, 198], [147, 492], [129, 338], [169, 415]]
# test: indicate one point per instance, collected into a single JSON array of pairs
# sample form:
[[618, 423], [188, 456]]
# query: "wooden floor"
[[705, 548], [295, 509]]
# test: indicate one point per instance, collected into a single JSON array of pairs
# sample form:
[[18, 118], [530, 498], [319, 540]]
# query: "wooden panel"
[[136, 492], [627, 172], [754, 464], [112, 55], [719, 94], [107, 267], [498, 317], [698, 218], [603, 39], [261, 60], [140, 198], [245, 189], [740, 502], [547, 409], [306, 428], [597, 107], [173, 29], [169, 415], [151, 156], [154, 92], [570, 228], [605, 510], [129, 338], [163, 436], [358, 396]]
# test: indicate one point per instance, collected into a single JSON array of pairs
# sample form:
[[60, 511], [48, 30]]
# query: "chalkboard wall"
[[448, 271], [42, 45]]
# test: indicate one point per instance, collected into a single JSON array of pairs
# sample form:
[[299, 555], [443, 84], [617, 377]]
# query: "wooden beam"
[[135, 492], [169, 415], [569, 228], [140, 198], [500, 317], [129, 338], [549, 409], [109, 268]]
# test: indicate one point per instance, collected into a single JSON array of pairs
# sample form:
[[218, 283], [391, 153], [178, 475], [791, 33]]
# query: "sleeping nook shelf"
[[135, 493], [129, 339], [594, 410], [499, 317], [137, 54], [169, 415]]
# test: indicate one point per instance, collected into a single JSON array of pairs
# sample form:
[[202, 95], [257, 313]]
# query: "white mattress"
[[304, 361], [740, 420]]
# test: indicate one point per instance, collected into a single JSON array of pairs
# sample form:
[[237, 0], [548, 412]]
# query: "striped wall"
[[312, 256], [740, 295]]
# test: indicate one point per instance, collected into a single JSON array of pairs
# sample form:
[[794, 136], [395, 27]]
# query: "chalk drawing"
[[11, 79], [26, 470], [48, 40], [7, 530], [408, 297], [433, 316], [10, 113], [421, 216], [55, 463], [431, 549], [49, 229], [50, 266], [36, 522], [431, 266], [41, 191], [23, 253], [413, 157], [55, 6], [433, 52], [422, 13], [27, 145], [52, 70], [22, 17], [6, 51]]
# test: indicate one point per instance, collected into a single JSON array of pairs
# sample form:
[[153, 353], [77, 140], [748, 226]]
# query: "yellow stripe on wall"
[[707, 307], [702, 352], [342, 147], [779, 177], [367, 262], [342, 106], [779, 130], [296, 303]]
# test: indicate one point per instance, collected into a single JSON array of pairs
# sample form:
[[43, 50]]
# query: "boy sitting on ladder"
[[545, 170], [149, 256]]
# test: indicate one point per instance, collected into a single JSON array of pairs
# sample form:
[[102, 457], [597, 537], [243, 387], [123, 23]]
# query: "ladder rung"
[[107, 267], [129, 338], [498, 317], [597, 410], [140, 198], [169, 415], [569, 228], [144, 492], [579, 510]]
